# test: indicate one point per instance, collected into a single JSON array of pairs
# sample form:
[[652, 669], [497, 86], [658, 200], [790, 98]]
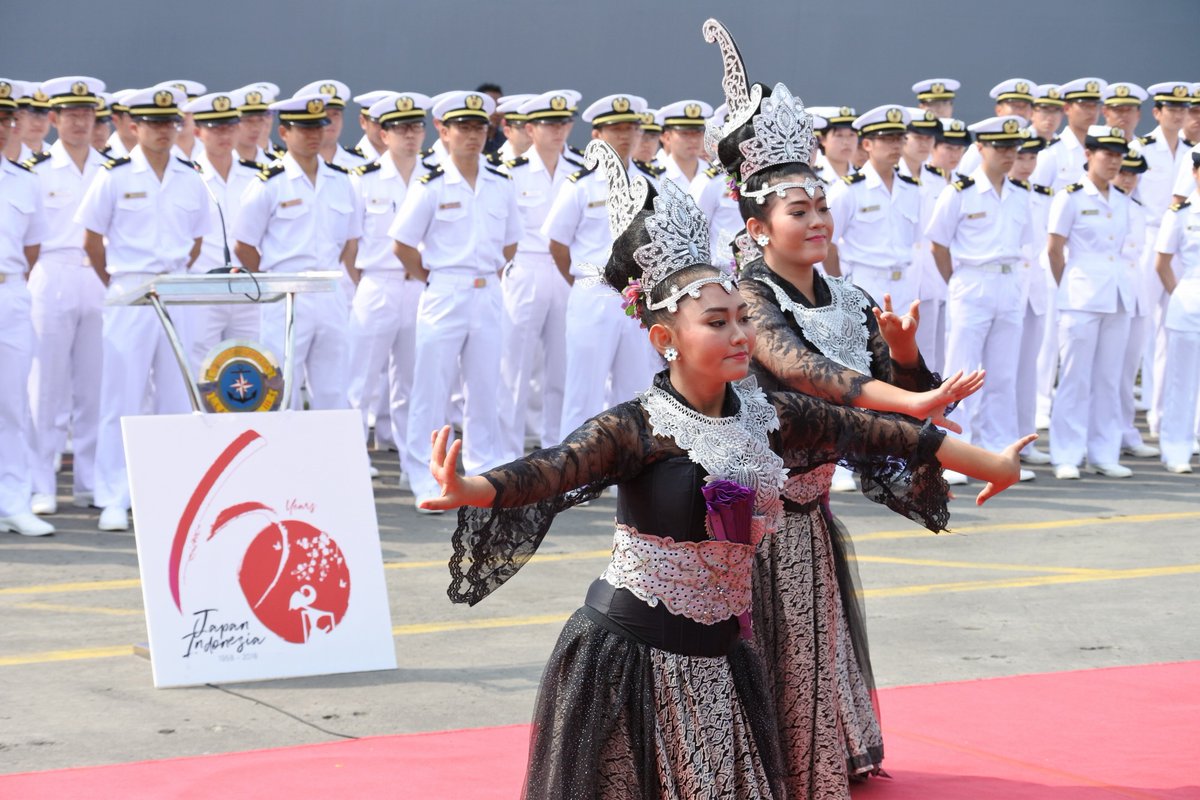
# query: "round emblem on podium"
[[240, 376]]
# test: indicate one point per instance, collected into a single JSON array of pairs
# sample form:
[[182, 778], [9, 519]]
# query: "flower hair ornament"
[[677, 228]]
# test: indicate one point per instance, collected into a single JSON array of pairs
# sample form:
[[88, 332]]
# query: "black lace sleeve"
[[491, 544], [917, 378], [780, 351], [896, 457]]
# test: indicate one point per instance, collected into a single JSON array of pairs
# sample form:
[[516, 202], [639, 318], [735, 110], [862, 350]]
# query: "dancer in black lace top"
[[651, 690]]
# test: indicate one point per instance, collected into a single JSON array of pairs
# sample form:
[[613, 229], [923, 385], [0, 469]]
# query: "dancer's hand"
[[899, 331], [456, 491], [933, 403], [1010, 466]]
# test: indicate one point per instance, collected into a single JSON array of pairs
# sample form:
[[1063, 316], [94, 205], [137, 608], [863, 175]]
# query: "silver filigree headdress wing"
[[625, 197], [679, 238], [743, 99]]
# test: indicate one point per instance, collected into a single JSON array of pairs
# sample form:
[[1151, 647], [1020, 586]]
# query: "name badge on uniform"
[[977, 215], [134, 195], [1089, 212], [597, 203], [531, 194], [1193, 227], [444, 206], [290, 203], [379, 201], [868, 209]]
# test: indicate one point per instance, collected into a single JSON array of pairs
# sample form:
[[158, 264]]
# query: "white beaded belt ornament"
[[678, 233]]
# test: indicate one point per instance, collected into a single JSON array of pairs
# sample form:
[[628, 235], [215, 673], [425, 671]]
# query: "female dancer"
[[815, 335], [650, 691]]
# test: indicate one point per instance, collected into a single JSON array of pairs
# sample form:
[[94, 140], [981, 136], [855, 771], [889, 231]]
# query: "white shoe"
[[954, 478], [1066, 472], [1112, 470], [1027, 475], [114, 518], [43, 504], [1140, 451], [429, 511], [373, 470], [1179, 469], [57, 463], [27, 524], [1035, 456], [843, 483], [1042, 423]]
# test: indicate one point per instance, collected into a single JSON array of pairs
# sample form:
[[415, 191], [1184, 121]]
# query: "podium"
[[232, 287]]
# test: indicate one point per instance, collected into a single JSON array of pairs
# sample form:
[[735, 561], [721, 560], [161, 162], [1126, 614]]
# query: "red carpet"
[[1130, 732]]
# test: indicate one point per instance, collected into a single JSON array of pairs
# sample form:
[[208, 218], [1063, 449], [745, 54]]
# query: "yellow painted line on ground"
[[478, 624], [1024, 583], [1016, 527], [79, 586], [930, 562], [49, 656], [108, 612]]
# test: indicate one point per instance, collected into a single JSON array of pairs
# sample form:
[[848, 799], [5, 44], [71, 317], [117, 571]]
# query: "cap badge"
[[937, 88], [315, 106], [404, 103], [79, 88], [1053, 93], [1179, 91], [1011, 126], [1022, 87], [620, 105], [254, 98], [558, 103], [5, 90], [40, 96], [930, 116], [164, 99], [895, 115], [328, 89], [1092, 86], [956, 125], [473, 102], [647, 118], [1122, 91], [221, 103], [692, 111], [846, 111], [1120, 134]]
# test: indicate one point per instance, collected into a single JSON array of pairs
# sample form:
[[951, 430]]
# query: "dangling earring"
[[671, 354], [763, 240]]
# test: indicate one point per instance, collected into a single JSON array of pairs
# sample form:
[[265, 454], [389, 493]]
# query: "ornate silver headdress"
[[678, 229], [783, 129]]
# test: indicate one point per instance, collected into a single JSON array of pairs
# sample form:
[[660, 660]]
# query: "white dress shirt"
[[63, 187], [382, 190], [1095, 228], [22, 223], [872, 226]]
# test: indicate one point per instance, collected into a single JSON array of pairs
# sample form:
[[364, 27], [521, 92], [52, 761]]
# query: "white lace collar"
[[838, 330]]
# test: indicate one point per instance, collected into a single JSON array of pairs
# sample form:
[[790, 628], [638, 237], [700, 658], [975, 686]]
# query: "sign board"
[[258, 546]]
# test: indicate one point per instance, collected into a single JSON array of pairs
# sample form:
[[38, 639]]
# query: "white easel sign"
[[258, 546]]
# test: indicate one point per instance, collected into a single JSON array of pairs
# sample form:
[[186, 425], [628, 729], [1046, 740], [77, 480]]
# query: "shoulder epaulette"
[[1188, 143], [1074, 187], [963, 182], [355, 151], [337, 168], [494, 159], [270, 172], [252, 164], [105, 150], [649, 169], [433, 174], [936, 170], [278, 150], [366, 169], [1046, 190], [1180, 206], [573, 162], [519, 161], [576, 150], [1026, 185], [909, 179], [35, 159], [1134, 199], [426, 153], [1054, 141], [713, 172], [1147, 139], [575, 176], [1119, 189], [501, 173], [25, 165], [116, 162], [853, 178], [186, 162]]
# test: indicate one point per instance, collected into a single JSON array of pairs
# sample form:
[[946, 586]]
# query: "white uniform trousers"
[[901, 281], [1033, 330], [931, 333], [1155, 355], [1047, 359], [383, 324], [1135, 347], [605, 348], [535, 306], [1085, 419], [136, 352], [16, 356], [983, 321], [209, 325], [458, 332], [64, 383], [1181, 392], [320, 347]]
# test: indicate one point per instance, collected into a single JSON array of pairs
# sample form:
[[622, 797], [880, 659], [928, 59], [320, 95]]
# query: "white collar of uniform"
[[59, 157], [140, 164], [983, 184], [1090, 188], [388, 171], [1069, 138], [873, 178], [292, 168], [535, 161]]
